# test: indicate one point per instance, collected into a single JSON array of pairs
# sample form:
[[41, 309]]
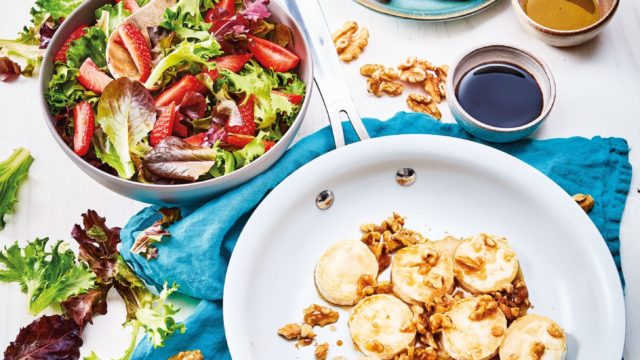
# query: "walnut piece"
[[188, 355], [366, 285], [384, 287], [290, 331], [342, 36], [585, 201], [514, 300], [388, 237], [370, 69], [486, 306], [424, 104], [435, 88], [374, 346], [497, 331], [377, 87], [468, 264], [350, 40], [439, 321], [537, 350], [321, 351], [555, 331], [442, 72], [306, 335], [319, 315], [418, 353]]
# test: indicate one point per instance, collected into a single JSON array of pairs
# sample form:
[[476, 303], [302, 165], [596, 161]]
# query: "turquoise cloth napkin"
[[197, 254]]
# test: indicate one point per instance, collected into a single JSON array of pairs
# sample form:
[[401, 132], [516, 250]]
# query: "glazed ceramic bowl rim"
[[605, 18], [453, 98], [89, 6]]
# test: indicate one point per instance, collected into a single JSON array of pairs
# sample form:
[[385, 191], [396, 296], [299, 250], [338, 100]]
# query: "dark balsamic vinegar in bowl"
[[501, 95]]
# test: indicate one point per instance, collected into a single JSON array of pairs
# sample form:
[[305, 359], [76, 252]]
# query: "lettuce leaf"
[[46, 15], [260, 82], [110, 16], [64, 90], [147, 238], [186, 52], [47, 277], [13, 172], [48, 337], [126, 115], [185, 13], [250, 152], [173, 158], [93, 44]]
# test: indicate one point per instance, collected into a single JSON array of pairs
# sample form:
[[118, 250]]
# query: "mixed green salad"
[[208, 90]]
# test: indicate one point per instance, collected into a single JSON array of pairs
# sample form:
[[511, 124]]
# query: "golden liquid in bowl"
[[563, 14]]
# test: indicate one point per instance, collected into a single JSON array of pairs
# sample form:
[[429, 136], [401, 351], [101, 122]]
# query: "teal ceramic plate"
[[429, 10]]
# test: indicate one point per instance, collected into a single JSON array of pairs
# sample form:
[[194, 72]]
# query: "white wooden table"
[[598, 88]]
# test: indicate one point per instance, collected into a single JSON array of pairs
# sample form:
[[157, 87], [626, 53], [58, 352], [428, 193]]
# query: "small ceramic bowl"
[[507, 55], [564, 38]]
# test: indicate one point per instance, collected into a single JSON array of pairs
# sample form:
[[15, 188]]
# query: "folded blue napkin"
[[197, 254]]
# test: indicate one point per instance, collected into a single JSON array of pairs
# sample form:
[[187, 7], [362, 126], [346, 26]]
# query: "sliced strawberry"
[[176, 92], [83, 125], [196, 140], [233, 63], [138, 48], [295, 99], [248, 126], [163, 126], [240, 141], [213, 74], [91, 77], [61, 55], [131, 5], [271, 55]]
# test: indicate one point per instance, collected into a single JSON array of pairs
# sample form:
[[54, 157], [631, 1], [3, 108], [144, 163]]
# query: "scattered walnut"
[[385, 74], [514, 300], [434, 281], [342, 36], [486, 306], [413, 70], [537, 350], [188, 355], [418, 353], [555, 331], [370, 69], [384, 287], [497, 331], [350, 40], [586, 202], [290, 331], [488, 240], [378, 87], [319, 315], [442, 72], [306, 335], [374, 346], [469, 264], [434, 87], [439, 321], [387, 237], [424, 104], [366, 285], [321, 351]]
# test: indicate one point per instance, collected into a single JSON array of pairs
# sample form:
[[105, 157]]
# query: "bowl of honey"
[[564, 22], [500, 93]]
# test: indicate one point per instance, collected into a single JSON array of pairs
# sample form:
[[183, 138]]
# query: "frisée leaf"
[[13, 172], [47, 277]]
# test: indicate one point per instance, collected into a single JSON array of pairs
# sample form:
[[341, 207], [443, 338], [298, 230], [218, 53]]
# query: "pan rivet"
[[324, 200], [406, 176]]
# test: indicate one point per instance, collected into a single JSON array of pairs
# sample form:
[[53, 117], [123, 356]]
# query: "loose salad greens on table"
[[208, 90], [76, 290]]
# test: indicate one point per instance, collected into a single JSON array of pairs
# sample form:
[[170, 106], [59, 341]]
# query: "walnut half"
[[350, 40], [319, 315], [188, 355], [585, 201], [424, 104]]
